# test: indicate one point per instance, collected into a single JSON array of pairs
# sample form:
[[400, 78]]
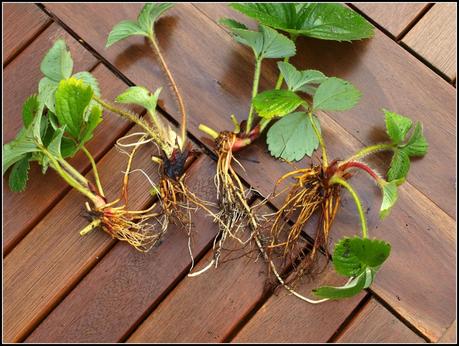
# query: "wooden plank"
[[285, 318], [21, 23], [225, 89], [434, 38], [53, 257], [451, 334], [208, 308], [375, 324], [125, 285], [393, 17], [22, 77]]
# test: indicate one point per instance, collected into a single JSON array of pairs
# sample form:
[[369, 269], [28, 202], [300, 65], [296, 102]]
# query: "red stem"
[[362, 166]]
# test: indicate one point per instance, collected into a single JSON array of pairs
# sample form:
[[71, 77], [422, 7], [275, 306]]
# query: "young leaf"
[[266, 43], [296, 80], [336, 94], [150, 14], [349, 290], [140, 96], [319, 20], [292, 137], [390, 196], [57, 63], [88, 79], [55, 146], [272, 103], [72, 99], [94, 119], [46, 90], [19, 174], [124, 29], [353, 255], [29, 110], [399, 165], [397, 126], [417, 144]]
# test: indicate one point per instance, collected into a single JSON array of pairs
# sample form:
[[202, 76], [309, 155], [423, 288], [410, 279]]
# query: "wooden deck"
[[60, 287]]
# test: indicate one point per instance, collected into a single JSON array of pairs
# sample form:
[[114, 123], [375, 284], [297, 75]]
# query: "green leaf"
[[57, 63], [29, 110], [68, 147], [94, 119], [150, 14], [417, 144], [16, 150], [55, 146], [19, 174], [140, 96], [399, 165], [90, 80], [292, 137], [297, 79], [124, 29], [353, 255], [336, 94], [272, 103], [397, 126], [266, 43], [390, 196], [72, 99], [231, 23], [319, 20], [349, 290], [46, 90]]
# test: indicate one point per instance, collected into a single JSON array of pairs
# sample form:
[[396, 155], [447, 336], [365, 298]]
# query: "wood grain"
[[43, 191], [450, 335], [53, 257], [126, 284], [393, 17], [224, 88], [434, 38], [21, 23], [375, 324]]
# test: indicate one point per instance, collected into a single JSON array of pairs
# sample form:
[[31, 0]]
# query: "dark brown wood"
[[40, 271], [22, 22], [224, 75], [375, 324], [395, 18], [43, 191], [124, 286]]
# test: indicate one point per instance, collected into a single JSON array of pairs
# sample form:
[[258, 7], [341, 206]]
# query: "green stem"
[[263, 123], [370, 150], [211, 132], [321, 140], [94, 169], [157, 51], [337, 180], [256, 80], [72, 171], [280, 79]]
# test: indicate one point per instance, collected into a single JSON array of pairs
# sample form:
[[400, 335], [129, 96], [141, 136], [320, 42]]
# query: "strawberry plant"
[[57, 123]]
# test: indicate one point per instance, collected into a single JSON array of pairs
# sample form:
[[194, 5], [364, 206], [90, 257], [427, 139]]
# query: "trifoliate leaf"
[[276, 103], [319, 20], [19, 174], [90, 80], [231, 23], [266, 43], [46, 90], [417, 144], [72, 98], [293, 137], [336, 94], [353, 255], [57, 63], [349, 290], [150, 14], [29, 110], [390, 196], [140, 96], [399, 165], [397, 126], [297, 79], [124, 29]]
